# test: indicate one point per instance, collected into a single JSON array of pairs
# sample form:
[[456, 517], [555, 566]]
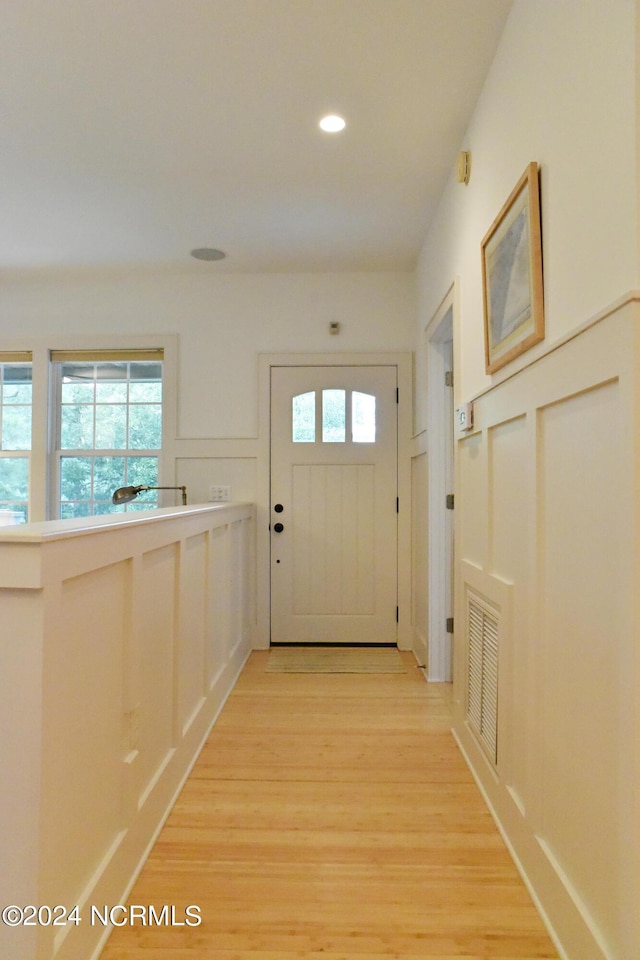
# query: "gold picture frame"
[[512, 286]]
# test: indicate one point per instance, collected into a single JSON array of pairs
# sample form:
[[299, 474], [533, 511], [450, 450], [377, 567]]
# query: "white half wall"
[[127, 634]]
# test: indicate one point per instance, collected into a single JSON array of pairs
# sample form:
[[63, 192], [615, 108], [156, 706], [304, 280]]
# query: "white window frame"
[[24, 358], [57, 453], [42, 506]]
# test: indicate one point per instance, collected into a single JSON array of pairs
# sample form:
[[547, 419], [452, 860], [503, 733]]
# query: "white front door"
[[333, 504]]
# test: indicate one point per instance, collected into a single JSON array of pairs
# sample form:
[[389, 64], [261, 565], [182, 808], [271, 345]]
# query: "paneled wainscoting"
[[121, 638], [332, 817], [548, 541]]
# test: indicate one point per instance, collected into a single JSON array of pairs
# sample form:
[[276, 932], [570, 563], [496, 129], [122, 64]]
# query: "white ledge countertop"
[[46, 530], [35, 555]]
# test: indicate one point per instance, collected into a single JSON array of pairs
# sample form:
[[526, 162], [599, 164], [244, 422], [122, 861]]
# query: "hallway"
[[332, 816]]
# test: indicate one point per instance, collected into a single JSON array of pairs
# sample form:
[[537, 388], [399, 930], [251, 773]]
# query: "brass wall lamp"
[[126, 494]]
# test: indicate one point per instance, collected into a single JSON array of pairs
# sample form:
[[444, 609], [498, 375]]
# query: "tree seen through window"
[[15, 437], [110, 429]]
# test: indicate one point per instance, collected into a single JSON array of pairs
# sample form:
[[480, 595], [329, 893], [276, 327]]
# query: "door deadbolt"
[[278, 527], [278, 508]]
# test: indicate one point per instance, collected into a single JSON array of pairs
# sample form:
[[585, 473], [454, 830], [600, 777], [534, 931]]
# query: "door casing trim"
[[404, 365], [440, 330]]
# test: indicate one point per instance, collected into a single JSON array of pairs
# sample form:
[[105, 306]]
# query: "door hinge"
[[450, 501], [448, 378], [397, 394], [397, 614], [397, 504], [449, 624]]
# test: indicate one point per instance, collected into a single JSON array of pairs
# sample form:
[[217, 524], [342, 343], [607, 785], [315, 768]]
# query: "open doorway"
[[440, 373]]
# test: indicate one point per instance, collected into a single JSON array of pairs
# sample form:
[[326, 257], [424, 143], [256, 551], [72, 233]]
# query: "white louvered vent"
[[482, 699]]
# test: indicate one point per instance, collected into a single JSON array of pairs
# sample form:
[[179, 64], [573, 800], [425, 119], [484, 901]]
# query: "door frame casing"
[[440, 331], [404, 366]]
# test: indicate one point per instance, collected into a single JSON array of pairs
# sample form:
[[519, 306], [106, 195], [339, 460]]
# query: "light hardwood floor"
[[332, 817]]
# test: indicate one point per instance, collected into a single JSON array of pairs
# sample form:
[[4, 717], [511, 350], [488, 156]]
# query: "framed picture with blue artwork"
[[512, 275]]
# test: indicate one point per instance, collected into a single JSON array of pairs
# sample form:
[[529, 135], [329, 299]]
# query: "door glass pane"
[[334, 416], [304, 418], [363, 417]]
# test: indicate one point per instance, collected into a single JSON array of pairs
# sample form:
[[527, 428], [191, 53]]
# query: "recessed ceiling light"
[[208, 253], [332, 123]]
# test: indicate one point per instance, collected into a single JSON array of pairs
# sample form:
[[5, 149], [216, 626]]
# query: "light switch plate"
[[464, 417], [219, 493]]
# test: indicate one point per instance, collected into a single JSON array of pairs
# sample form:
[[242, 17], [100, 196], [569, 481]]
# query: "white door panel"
[[333, 501], [332, 539]]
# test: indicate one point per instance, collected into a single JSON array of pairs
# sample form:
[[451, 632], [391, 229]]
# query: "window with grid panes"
[[109, 429], [15, 435]]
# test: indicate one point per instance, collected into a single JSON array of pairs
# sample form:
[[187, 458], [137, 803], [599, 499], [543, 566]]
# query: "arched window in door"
[[343, 416]]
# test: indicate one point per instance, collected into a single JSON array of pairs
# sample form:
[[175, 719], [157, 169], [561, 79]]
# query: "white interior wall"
[[222, 321], [562, 92], [545, 524], [222, 324]]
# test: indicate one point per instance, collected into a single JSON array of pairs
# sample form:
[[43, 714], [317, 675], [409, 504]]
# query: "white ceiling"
[[132, 131]]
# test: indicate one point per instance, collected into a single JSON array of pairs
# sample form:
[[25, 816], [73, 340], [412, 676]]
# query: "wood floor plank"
[[332, 816]]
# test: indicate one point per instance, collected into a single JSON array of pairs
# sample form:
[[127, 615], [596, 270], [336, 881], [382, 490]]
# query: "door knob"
[[278, 508], [278, 527]]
